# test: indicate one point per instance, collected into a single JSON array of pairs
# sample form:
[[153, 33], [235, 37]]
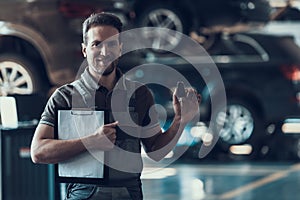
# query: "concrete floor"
[[214, 181]]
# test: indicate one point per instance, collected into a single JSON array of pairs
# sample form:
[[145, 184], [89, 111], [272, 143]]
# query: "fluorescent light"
[[207, 139], [198, 130], [291, 126], [157, 173], [244, 149], [170, 154]]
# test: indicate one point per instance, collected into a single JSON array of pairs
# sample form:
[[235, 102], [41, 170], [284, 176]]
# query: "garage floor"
[[239, 181]]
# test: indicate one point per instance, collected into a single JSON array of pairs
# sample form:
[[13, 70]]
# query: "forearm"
[[167, 140], [46, 149], [185, 109], [50, 151]]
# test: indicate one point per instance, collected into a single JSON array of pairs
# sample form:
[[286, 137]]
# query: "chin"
[[104, 71]]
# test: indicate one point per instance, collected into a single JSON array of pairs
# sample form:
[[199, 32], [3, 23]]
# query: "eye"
[[112, 44], [96, 44]]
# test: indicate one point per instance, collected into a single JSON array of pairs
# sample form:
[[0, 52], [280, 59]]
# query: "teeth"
[[106, 59]]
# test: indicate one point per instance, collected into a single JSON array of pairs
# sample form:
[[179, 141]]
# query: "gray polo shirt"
[[139, 103]]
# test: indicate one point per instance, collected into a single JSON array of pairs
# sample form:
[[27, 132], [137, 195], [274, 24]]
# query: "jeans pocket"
[[135, 193], [120, 193], [80, 191]]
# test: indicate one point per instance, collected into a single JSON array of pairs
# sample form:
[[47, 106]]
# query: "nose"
[[103, 50]]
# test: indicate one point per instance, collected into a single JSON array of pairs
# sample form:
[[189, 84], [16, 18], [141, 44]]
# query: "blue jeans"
[[92, 192]]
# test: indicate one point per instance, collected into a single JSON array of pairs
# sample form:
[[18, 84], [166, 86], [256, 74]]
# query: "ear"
[[83, 49]]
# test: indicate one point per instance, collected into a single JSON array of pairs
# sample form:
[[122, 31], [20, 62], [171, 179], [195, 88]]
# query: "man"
[[101, 47]]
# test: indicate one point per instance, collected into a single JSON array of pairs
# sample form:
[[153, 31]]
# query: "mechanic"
[[102, 77]]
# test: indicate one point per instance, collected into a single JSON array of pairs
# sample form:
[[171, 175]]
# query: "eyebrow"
[[98, 41], [104, 41]]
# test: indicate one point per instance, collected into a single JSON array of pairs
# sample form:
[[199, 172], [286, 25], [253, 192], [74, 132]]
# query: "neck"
[[108, 81]]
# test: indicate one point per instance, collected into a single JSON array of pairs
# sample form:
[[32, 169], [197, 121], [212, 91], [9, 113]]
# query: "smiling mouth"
[[106, 59]]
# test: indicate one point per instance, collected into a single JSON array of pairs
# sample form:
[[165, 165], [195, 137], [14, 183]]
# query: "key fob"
[[180, 90]]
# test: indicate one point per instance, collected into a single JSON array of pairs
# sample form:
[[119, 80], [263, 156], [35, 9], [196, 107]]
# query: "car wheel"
[[163, 16], [240, 130], [18, 75]]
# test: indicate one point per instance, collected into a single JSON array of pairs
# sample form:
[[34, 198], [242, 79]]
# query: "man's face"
[[102, 49]]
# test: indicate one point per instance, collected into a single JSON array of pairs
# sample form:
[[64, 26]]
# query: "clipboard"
[[88, 167]]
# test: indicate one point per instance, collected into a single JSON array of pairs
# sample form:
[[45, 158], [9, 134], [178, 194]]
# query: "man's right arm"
[[48, 150]]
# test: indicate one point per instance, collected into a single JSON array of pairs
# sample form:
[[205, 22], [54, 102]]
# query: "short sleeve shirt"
[[139, 101], [64, 98]]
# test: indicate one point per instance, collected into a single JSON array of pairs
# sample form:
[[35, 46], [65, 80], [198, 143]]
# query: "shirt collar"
[[92, 84], [88, 80]]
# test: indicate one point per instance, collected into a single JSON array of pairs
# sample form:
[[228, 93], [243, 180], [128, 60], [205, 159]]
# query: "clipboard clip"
[[82, 112]]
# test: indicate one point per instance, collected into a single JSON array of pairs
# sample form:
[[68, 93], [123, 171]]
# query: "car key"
[[180, 92]]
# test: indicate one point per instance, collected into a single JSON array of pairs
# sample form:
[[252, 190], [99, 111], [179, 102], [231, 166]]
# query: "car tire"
[[164, 16], [239, 124], [18, 75]]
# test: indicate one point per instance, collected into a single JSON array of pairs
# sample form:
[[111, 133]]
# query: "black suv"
[[40, 40], [261, 75], [201, 19]]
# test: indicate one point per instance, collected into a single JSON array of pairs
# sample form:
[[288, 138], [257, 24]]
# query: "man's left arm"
[[185, 108]]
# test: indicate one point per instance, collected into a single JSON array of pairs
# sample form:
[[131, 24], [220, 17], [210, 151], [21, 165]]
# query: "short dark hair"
[[98, 19]]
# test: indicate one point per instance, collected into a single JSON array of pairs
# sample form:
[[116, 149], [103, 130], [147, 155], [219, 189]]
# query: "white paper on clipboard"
[[77, 124]]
